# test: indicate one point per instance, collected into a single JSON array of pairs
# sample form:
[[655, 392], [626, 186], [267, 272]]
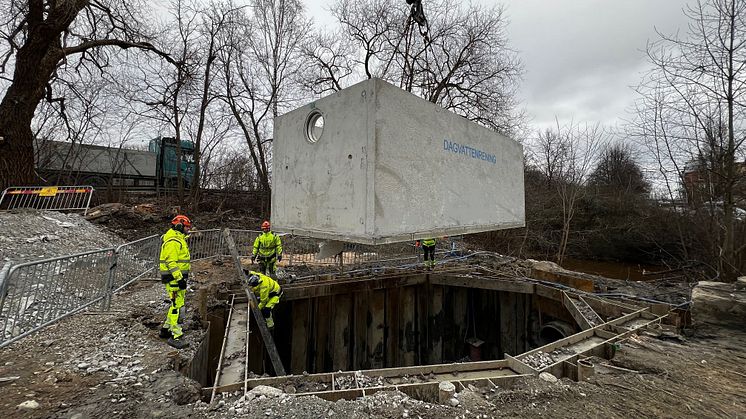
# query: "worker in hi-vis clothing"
[[268, 292], [428, 247], [268, 249], [174, 267]]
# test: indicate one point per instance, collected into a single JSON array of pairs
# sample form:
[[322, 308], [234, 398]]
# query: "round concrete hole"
[[554, 331], [314, 126]]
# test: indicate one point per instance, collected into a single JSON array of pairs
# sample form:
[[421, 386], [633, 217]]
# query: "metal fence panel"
[[205, 244], [244, 240], [135, 260], [51, 198], [36, 294]]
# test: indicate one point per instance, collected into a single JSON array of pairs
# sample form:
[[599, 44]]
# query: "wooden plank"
[[375, 342], [299, 339], [576, 280], [269, 342], [393, 331], [496, 284], [342, 332], [421, 315], [608, 309], [484, 303], [518, 366], [436, 320], [521, 323], [549, 292], [501, 369], [407, 326], [575, 312], [323, 354], [507, 323], [570, 340], [295, 292], [460, 317], [362, 321]]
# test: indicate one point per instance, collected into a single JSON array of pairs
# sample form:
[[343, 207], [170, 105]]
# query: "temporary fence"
[[50, 198], [134, 260], [205, 244], [36, 294], [39, 293], [302, 251]]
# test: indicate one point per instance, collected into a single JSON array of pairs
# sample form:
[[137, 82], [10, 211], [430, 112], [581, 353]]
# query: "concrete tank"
[[388, 167]]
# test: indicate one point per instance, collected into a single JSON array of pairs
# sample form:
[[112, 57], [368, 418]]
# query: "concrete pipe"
[[554, 331]]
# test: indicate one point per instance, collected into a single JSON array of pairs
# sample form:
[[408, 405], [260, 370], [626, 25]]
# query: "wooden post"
[[269, 342]]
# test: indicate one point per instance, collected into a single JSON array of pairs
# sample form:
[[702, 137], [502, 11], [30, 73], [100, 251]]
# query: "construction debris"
[[32, 235], [446, 390], [718, 304], [29, 404], [540, 360], [549, 378]]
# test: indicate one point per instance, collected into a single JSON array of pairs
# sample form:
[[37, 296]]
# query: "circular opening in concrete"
[[314, 126], [554, 331]]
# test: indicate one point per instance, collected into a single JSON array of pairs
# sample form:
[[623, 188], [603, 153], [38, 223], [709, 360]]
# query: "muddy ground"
[[112, 364]]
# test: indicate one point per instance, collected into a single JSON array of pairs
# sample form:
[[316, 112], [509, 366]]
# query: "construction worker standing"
[[428, 247], [268, 291], [174, 268], [268, 249]]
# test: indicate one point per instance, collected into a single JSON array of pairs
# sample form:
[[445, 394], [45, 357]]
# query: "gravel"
[[28, 235], [541, 359]]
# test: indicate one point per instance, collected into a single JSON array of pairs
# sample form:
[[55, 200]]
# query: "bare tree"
[[371, 24], [43, 40], [461, 61], [329, 62], [259, 64], [691, 110], [215, 20], [566, 156]]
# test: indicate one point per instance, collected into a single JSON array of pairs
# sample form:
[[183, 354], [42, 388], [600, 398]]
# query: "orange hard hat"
[[183, 220], [265, 225]]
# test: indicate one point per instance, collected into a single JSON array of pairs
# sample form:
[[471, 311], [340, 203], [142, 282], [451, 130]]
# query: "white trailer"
[[97, 165], [375, 164]]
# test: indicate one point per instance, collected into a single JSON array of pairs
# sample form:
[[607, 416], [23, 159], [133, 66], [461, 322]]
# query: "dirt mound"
[[32, 235], [135, 221]]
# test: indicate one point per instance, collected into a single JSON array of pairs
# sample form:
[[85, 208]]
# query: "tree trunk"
[[729, 255], [32, 70], [16, 147], [35, 62]]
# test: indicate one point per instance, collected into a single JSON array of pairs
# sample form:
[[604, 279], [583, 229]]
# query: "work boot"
[[177, 343], [165, 333]]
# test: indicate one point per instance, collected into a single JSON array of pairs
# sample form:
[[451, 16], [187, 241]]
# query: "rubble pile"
[[587, 311], [117, 354], [358, 380], [541, 359], [31, 235]]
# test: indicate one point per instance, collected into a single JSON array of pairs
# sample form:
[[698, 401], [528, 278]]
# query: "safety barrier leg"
[[109, 283]]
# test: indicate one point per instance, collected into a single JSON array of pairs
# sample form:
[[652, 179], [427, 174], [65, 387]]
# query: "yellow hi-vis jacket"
[[266, 290], [267, 245], [428, 242], [174, 254]]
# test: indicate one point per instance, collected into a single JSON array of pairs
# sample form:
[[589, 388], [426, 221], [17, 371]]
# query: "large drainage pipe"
[[554, 331]]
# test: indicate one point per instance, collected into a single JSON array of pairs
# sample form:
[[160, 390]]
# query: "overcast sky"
[[580, 56]]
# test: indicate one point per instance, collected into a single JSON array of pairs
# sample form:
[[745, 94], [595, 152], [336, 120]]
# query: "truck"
[[60, 162]]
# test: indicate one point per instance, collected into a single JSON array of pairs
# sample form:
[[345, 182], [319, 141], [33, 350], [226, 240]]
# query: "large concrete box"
[[391, 167]]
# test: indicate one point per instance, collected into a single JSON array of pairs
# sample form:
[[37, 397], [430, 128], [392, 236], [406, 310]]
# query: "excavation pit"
[[348, 337]]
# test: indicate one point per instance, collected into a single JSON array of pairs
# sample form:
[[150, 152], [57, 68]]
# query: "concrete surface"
[[392, 167]]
